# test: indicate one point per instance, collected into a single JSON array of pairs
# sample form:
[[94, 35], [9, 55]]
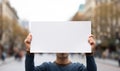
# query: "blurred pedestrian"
[[2, 54], [21, 53], [18, 54], [119, 61], [16, 50]]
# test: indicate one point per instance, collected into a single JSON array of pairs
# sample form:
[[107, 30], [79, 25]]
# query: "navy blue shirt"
[[52, 66]]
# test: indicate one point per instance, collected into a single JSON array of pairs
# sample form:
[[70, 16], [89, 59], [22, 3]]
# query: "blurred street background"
[[102, 64], [105, 18]]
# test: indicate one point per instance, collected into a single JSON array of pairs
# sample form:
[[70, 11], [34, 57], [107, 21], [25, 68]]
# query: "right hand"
[[28, 42]]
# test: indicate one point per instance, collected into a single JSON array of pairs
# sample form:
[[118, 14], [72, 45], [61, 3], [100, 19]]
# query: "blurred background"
[[14, 27]]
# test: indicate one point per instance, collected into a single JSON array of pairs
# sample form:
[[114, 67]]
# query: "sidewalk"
[[107, 61], [7, 60], [100, 60]]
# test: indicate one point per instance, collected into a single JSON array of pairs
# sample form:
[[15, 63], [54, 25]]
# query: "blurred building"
[[89, 12], [86, 10], [8, 18], [89, 9], [79, 16], [105, 17], [8, 11], [9, 14], [0, 20]]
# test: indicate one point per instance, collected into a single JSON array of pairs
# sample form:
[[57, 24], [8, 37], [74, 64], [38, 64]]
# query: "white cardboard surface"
[[54, 37]]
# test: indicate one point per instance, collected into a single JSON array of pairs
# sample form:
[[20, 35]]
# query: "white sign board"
[[54, 37]]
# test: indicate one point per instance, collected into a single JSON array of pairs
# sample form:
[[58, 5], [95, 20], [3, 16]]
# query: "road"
[[19, 65]]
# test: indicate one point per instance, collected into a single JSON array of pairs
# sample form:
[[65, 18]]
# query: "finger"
[[30, 34], [29, 37], [91, 41], [27, 41], [91, 36], [28, 45]]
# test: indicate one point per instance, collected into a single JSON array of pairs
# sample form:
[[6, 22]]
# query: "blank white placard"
[[54, 37]]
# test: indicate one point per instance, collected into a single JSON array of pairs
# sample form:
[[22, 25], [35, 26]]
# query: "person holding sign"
[[62, 62]]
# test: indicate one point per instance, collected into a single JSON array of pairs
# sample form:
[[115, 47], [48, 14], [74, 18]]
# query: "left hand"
[[91, 41]]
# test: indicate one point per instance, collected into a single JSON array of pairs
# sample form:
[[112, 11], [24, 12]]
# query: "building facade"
[[105, 17], [8, 18]]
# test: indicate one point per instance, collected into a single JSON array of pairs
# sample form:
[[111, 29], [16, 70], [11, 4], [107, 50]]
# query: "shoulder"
[[77, 64], [47, 64], [43, 66]]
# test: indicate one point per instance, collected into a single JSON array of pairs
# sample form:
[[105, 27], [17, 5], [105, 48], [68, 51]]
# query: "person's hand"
[[91, 41], [28, 42]]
